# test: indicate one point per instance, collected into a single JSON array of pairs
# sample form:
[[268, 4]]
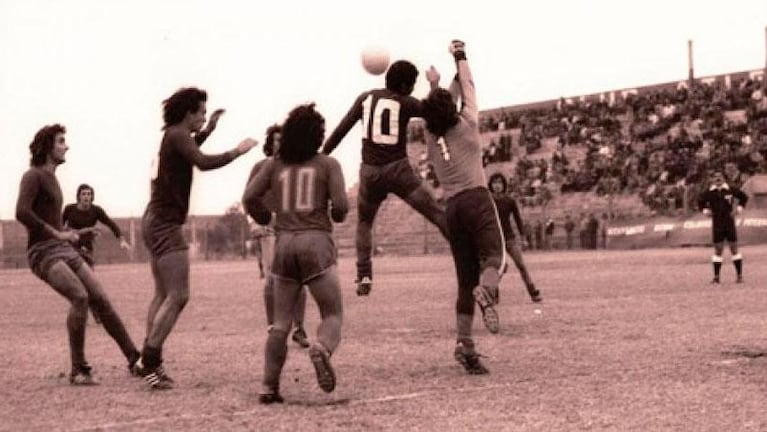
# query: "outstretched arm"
[[202, 135], [466, 81], [343, 128], [189, 150]]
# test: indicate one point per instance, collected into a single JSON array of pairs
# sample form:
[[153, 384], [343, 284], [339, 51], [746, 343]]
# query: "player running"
[[385, 168], [267, 239], [53, 259], [476, 241], [507, 208], [721, 202], [309, 190]]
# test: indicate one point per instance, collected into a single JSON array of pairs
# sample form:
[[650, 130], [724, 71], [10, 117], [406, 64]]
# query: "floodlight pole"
[[690, 68]]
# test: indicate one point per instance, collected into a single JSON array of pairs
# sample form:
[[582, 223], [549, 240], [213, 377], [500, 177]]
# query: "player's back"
[[385, 116], [303, 193]]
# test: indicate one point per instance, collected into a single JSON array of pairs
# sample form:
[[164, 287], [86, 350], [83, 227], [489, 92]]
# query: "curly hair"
[[496, 177], [42, 143], [302, 134], [271, 131], [183, 101], [83, 187], [400, 78], [439, 111]]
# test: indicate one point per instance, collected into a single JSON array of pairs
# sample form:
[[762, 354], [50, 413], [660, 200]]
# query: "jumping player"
[[184, 115], [53, 259], [271, 149], [476, 240], [308, 189], [507, 208], [385, 168], [721, 202]]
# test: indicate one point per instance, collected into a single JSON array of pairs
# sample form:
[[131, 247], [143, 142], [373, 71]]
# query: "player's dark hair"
[[302, 134], [83, 187], [439, 112], [42, 143], [183, 101], [271, 131], [497, 177], [400, 77]]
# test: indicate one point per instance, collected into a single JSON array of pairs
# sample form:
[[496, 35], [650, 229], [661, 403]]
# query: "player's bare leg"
[[512, 247], [101, 306], [285, 295], [159, 297], [422, 202], [299, 334], [326, 291], [173, 272], [62, 279], [269, 300], [363, 240]]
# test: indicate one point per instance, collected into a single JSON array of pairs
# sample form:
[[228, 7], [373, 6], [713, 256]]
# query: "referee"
[[722, 202]]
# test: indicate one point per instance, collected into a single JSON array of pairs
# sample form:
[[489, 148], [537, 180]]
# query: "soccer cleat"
[[299, 337], [269, 398], [467, 356], [81, 376], [535, 294], [485, 301], [326, 376], [159, 380], [364, 285], [715, 280]]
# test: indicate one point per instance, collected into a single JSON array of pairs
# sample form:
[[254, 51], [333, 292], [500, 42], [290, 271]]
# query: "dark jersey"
[[172, 180], [306, 195], [76, 218], [384, 115], [507, 207], [268, 199], [39, 203], [721, 201]]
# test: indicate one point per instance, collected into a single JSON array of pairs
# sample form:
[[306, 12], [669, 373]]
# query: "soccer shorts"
[[377, 181], [161, 237], [301, 256], [724, 231], [43, 255]]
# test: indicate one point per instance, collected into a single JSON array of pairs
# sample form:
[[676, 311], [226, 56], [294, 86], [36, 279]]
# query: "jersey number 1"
[[300, 187]]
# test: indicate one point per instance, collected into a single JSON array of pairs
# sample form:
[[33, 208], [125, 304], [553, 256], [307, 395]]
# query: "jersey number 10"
[[297, 189], [385, 111]]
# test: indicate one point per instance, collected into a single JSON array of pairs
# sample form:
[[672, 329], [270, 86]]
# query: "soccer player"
[[385, 167], [53, 259], [184, 115], [476, 241], [721, 202], [308, 190], [271, 149], [83, 216], [507, 208]]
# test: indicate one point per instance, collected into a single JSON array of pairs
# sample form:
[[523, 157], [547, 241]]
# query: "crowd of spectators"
[[659, 144]]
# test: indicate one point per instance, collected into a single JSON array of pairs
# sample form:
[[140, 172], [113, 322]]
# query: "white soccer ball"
[[375, 60]]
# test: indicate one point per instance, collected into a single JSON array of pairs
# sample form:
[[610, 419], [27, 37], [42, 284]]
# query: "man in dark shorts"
[[721, 203], [476, 241], [184, 115], [53, 259], [507, 208], [385, 168], [308, 189]]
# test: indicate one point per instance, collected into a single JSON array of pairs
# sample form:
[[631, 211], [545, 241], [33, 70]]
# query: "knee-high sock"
[[276, 352], [716, 260], [737, 261]]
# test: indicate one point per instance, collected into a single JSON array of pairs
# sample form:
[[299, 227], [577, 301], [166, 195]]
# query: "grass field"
[[625, 341]]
